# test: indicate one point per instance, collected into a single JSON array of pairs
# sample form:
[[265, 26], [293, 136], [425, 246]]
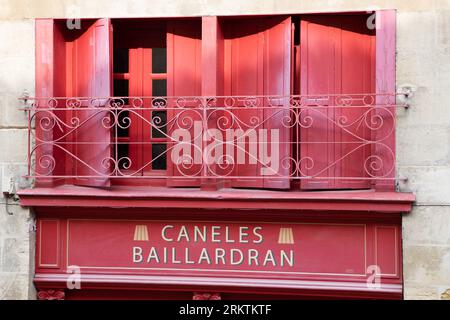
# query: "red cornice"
[[146, 197], [178, 283]]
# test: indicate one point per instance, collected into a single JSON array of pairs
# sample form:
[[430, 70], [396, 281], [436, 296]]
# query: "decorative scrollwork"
[[355, 126], [51, 294], [46, 165], [206, 296]]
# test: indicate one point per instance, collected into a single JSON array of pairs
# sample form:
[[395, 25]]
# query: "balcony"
[[248, 148], [269, 142]]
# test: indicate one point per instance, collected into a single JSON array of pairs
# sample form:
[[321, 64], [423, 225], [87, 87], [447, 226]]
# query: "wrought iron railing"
[[315, 137]]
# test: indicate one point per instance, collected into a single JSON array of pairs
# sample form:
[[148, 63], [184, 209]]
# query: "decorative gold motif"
[[446, 295], [286, 236], [141, 233]]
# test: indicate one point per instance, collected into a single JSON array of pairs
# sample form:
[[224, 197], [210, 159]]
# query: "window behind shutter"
[[337, 57]]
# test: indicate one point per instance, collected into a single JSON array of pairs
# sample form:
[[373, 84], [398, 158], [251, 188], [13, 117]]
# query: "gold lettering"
[[255, 232], [242, 234], [241, 258], [269, 258], [152, 255], [174, 256], [227, 235], [137, 254], [220, 256], [163, 233], [253, 256], [204, 256], [183, 234], [289, 260], [215, 234], [186, 253], [199, 233]]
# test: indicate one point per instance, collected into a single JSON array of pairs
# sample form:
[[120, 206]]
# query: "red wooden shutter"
[[244, 54], [317, 66], [257, 62], [337, 57], [93, 79], [357, 76], [184, 79], [50, 82], [277, 82], [212, 86]]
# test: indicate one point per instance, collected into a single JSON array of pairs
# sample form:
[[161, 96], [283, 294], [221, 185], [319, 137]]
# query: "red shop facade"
[[216, 158]]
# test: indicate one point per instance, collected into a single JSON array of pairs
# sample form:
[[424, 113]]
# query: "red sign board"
[[293, 250]]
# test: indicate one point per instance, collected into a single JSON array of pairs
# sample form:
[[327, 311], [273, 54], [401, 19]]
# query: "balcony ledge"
[[153, 197]]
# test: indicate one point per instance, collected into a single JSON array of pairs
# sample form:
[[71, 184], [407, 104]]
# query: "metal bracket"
[[32, 225], [25, 97], [8, 189], [7, 196], [405, 93], [398, 186]]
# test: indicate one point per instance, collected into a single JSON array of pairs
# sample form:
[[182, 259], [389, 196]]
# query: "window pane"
[[159, 121], [159, 88], [159, 156], [123, 152], [124, 124], [159, 60], [120, 60], [121, 90]]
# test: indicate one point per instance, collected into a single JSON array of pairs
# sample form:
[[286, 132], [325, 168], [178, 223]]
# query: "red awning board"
[[145, 197], [293, 256]]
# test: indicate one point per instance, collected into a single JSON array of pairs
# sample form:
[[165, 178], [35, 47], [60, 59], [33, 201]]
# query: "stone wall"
[[423, 60], [16, 230]]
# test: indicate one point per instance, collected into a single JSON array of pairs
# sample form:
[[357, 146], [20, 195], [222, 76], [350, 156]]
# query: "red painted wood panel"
[[387, 250], [311, 249], [50, 82], [333, 249], [357, 75], [337, 57], [212, 86], [127, 295], [184, 74], [169, 295], [258, 62], [93, 77], [48, 243], [277, 82], [317, 59], [244, 77]]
